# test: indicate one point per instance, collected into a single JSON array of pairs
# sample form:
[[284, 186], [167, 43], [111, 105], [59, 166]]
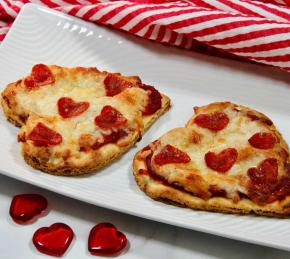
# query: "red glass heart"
[[105, 239], [25, 207], [53, 240]]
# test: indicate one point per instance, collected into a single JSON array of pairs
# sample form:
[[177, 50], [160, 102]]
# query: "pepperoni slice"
[[170, 154], [68, 108], [42, 136], [109, 118], [215, 122], [263, 181], [40, 75], [262, 140], [264, 193], [115, 85], [283, 188], [223, 161], [261, 193], [266, 172], [111, 138], [154, 100]]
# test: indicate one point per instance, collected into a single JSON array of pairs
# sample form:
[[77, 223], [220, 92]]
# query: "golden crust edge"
[[217, 204], [11, 117]]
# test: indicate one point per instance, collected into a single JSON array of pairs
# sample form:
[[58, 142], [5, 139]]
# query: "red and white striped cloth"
[[256, 30]]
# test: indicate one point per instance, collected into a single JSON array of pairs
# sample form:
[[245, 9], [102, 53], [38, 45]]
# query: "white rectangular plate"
[[40, 35]]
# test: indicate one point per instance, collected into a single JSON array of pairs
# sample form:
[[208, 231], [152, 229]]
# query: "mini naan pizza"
[[76, 120], [228, 158]]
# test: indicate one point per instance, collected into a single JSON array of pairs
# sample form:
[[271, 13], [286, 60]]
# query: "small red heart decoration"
[[105, 239], [223, 161], [53, 240], [25, 207]]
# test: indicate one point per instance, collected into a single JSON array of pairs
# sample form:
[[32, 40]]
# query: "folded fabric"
[[256, 30]]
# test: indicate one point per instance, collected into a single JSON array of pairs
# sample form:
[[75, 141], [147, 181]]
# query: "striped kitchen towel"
[[255, 30]]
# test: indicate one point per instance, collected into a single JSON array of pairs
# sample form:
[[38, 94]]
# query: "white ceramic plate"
[[41, 35]]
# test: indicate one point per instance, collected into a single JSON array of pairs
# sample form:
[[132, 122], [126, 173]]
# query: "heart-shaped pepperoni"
[[53, 240], [223, 161], [263, 186], [109, 118], [215, 122], [266, 172], [68, 108], [42, 136], [40, 75], [154, 100], [115, 85], [25, 207], [105, 239], [262, 140], [170, 154]]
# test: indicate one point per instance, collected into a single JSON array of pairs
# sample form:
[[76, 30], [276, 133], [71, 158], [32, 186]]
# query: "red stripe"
[[283, 58], [249, 35], [203, 4], [140, 25], [49, 3], [272, 10], [75, 9], [113, 12], [224, 27], [92, 11], [13, 7], [2, 36], [133, 14], [72, 2], [183, 42], [4, 16], [149, 31], [173, 37], [240, 8], [264, 47], [161, 33], [199, 19], [287, 2]]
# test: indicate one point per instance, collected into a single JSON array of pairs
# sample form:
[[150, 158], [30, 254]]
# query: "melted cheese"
[[80, 84], [235, 135], [43, 101], [71, 129]]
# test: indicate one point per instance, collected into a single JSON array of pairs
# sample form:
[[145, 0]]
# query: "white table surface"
[[147, 239]]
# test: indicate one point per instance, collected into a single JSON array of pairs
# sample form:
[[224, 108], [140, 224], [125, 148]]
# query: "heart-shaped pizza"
[[228, 158], [76, 120]]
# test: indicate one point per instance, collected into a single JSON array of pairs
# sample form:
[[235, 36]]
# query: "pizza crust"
[[26, 107], [188, 184], [158, 191]]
